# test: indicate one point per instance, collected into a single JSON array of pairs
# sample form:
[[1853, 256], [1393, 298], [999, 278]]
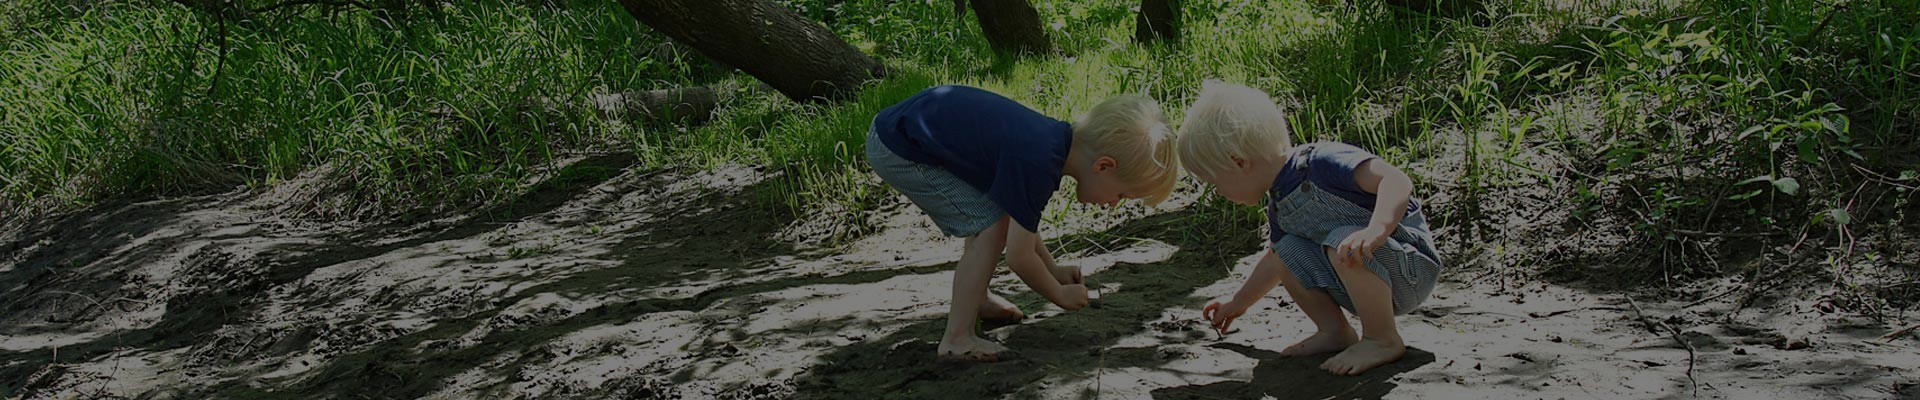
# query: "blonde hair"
[[1132, 130], [1229, 121]]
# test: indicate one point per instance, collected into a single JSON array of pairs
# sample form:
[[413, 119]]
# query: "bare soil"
[[613, 282]]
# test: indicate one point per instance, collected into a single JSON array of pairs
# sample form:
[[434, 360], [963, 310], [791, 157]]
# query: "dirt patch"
[[614, 282], [1051, 343]]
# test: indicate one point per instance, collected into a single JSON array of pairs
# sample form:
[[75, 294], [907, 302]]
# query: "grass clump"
[[129, 99], [1676, 121]]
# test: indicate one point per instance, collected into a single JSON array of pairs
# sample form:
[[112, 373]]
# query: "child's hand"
[[1358, 247], [1071, 297], [1068, 275], [1221, 315]]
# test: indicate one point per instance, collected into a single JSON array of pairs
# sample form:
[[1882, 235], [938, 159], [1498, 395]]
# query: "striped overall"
[[1302, 224]]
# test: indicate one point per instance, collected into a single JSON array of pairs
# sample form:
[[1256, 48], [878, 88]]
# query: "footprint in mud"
[[1299, 378]]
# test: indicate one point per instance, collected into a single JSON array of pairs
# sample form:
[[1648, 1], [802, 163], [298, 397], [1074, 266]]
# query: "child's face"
[[1243, 183]]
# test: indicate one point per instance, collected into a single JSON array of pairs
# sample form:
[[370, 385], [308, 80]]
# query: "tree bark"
[[1011, 26], [799, 58], [1157, 21]]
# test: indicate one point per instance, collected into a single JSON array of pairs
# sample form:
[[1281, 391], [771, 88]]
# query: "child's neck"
[[1267, 171], [1076, 166]]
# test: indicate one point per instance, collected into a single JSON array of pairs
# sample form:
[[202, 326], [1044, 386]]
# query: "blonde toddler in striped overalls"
[[1344, 229]]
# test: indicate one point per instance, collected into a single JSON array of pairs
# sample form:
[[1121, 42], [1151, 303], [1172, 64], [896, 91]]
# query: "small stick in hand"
[[1220, 335]]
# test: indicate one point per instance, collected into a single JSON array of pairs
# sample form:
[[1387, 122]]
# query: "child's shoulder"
[[951, 88], [963, 93], [1332, 155], [1335, 149], [966, 101]]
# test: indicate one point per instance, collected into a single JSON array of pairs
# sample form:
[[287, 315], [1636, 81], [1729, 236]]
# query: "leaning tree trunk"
[[798, 57], [1156, 21], [1011, 26]]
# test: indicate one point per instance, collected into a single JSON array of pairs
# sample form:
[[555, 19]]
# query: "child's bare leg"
[[1000, 309], [970, 293], [1373, 302], [1334, 334]]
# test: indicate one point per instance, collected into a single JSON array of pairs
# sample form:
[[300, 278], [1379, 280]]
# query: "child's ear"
[[1240, 163], [1105, 163]]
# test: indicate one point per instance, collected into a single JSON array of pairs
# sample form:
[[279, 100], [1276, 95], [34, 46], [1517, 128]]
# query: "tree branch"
[[1896, 334], [220, 61], [1656, 326]]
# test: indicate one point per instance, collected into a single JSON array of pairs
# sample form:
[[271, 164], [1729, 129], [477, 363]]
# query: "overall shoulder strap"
[[1303, 157]]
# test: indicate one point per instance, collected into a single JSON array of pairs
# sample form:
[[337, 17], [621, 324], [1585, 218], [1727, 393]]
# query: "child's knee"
[[993, 237]]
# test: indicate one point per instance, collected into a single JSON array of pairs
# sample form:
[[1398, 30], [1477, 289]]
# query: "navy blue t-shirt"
[[1330, 166], [999, 146]]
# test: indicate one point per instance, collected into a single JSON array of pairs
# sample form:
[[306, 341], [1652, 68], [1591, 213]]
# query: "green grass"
[[1705, 115], [121, 98]]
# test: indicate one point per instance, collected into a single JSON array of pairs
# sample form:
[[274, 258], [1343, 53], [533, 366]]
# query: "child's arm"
[[1065, 275], [1266, 275], [1392, 190], [1023, 257]]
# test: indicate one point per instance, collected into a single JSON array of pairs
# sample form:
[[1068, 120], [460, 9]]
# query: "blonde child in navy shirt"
[[983, 167]]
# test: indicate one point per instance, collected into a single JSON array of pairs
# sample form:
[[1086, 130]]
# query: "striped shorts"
[[1309, 220], [1410, 275], [956, 207]]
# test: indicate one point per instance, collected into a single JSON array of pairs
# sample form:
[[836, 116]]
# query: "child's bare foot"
[[971, 348], [1321, 342], [1365, 355], [997, 308]]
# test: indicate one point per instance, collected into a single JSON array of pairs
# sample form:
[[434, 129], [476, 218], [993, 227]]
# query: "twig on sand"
[[1883, 179], [1704, 300], [1898, 333], [1694, 233], [1100, 370], [607, 211], [104, 383], [1754, 287], [637, 177], [650, 174], [1097, 245], [1495, 313], [1343, 394], [80, 316], [1652, 324], [1572, 310]]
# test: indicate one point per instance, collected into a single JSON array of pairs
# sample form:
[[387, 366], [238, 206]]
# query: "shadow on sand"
[[1298, 378], [901, 365], [1076, 344]]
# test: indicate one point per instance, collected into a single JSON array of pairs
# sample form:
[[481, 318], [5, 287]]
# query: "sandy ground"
[[611, 282]]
